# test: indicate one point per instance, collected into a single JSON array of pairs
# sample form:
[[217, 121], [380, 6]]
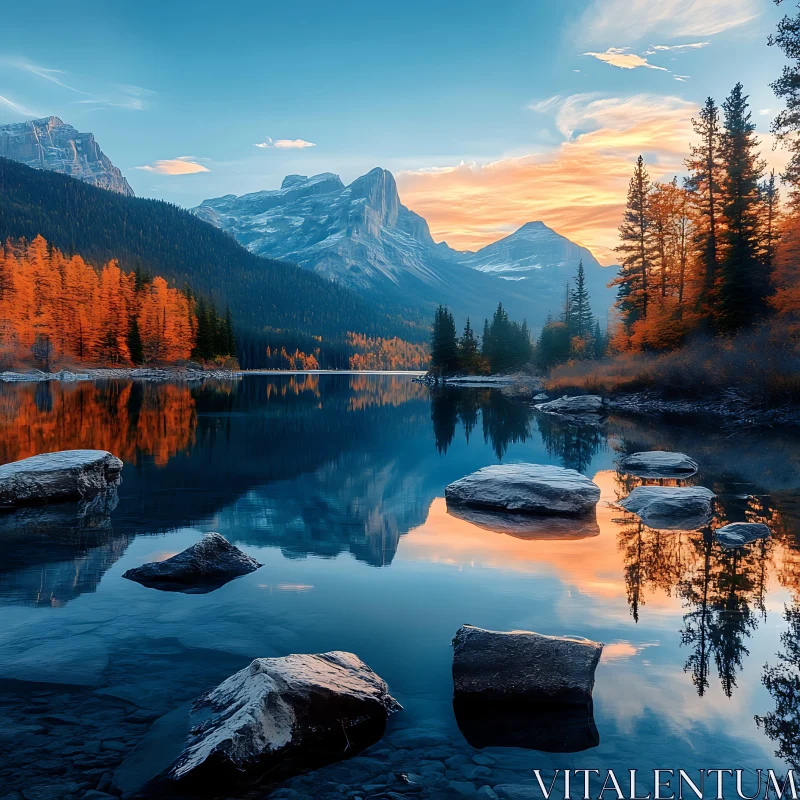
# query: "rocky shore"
[[188, 374]]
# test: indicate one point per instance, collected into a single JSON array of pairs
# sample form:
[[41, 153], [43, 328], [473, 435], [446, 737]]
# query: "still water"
[[335, 483]]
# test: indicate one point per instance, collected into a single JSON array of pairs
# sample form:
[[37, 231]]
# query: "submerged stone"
[[525, 488], [738, 534], [64, 475], [278, 717], [685, 508], [658, 464], [203, 567], [523, 666]]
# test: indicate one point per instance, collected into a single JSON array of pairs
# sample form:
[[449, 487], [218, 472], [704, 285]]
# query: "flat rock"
[[582, 404], [203, 567], [738, 534], [658, 464], [281, 716], [685, 508], [528, 526], [525, 488], [523, 666], [64, 475]]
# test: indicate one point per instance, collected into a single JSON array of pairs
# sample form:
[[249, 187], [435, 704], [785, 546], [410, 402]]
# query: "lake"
[[336, 484]]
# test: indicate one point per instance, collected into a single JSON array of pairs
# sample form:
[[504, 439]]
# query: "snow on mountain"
[[364, 236], [50, 143]]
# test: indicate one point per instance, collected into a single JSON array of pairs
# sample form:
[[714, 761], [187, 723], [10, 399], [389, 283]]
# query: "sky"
[[490, 115]]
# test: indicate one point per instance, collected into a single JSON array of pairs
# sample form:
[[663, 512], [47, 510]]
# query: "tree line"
[[55, 307], [505, 344], [718, 252]]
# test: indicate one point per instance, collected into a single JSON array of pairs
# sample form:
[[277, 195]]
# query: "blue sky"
[[417, 87]]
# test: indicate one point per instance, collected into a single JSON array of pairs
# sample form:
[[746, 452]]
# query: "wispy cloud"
[[182, 165], [656, 48], [623, 58], [17, 108], [285, 144], [53, 75], [633, 20]]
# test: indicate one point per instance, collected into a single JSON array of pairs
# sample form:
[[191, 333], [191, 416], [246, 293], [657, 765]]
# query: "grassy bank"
[[763, 365]]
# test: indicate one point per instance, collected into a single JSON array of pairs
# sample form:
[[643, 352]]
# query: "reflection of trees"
[[718, 587], [783, 683], [503, 422], [575, 445]]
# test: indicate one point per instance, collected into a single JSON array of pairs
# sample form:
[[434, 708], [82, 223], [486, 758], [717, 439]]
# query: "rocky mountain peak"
[[50, 143]]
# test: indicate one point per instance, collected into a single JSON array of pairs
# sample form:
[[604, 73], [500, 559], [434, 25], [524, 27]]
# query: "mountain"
[[157, 237], [363, 236], [51, 144]]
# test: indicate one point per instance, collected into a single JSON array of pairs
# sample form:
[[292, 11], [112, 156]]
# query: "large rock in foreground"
[[583, 404], [64, 475], [280, 716], [525, 488], [738, 534], [659, 464], [523, 666], [201, 568], [684, 508]]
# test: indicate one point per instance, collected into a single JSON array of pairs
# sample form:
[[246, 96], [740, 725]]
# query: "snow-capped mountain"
[[364, 236], [50, 143]]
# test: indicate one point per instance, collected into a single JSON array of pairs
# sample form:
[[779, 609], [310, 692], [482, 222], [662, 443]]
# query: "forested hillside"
[[267, 298]]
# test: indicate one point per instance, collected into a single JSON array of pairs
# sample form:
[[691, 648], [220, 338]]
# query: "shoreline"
[[156, 374]]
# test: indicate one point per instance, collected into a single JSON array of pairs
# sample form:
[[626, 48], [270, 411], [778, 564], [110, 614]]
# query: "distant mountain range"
[[50, 143], [364, 237], [359, 235]]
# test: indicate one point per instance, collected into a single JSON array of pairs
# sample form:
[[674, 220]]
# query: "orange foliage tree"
[[54, 307]]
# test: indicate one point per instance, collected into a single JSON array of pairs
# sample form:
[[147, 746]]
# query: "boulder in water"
[[64, 475], [738, 534], [659, 464], [280, 716], [525, 488], [574, 406], [201, 568], [684, 508], [523, 666]]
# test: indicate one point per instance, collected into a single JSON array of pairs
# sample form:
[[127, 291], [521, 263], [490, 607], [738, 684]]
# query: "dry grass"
[[763, 365]]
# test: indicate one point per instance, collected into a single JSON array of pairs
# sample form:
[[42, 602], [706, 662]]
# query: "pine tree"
[[230, 340], [444, 348], [786, 124], [634, 250], [468, 350], [135, 341], [770, 217], [581, 317], [705, 166], [744, 281]]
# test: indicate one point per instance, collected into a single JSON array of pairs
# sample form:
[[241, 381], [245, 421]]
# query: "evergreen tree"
[[444, 348], [135, 341], [744, 281], [230, 339], [634, 250], [769, 222], [600, 341], [786, 124], [468, 356], [581, 317], [554, 344], [705, 166]]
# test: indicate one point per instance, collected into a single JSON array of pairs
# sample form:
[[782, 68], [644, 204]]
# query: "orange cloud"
[[579, 189], [622, 57], [183, 165]]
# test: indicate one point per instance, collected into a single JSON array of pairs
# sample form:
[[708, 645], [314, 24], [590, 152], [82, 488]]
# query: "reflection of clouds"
[[620, 651]]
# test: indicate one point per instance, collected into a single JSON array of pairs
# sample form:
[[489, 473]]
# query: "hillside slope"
[[161, 238]]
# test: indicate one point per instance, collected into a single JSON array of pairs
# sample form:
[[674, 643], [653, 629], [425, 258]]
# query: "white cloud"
[[286, 144], [632, 20], [655, 48], [764, 112], [543, 106], [182, 165], [622, 57], [16, 108]]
